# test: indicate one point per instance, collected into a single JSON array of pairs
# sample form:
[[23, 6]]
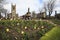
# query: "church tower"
[[28, 9], [28, 13], [13, 11]]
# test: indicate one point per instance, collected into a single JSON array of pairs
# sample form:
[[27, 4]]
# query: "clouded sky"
[[34, 5]]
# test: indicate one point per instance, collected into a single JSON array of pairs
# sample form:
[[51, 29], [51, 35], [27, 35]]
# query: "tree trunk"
[[5, 15], [0, 15], [49, 14]]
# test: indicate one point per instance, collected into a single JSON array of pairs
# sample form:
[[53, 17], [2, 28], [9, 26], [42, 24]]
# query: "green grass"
[[54, 34]]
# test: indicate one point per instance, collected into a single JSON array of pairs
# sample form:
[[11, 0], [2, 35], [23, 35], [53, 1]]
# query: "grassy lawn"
[[54, 34]]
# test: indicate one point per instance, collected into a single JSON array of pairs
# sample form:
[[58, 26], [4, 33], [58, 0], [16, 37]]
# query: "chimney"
[[28, 9]]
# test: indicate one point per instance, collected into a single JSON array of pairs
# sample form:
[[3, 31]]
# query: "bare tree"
[[45, 7], [50, 6], [2, 10]]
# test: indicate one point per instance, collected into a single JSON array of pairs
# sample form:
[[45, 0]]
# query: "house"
[[27, 16]]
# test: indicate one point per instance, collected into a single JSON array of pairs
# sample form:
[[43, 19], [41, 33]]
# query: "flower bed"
[[23, 29]]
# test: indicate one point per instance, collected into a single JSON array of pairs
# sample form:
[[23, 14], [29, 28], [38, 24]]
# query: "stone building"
[[41, 15], [27, 16], [57, 15], [34, 15], [13, 14]]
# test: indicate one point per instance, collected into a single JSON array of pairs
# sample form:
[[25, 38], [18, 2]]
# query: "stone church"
[[13, 14]]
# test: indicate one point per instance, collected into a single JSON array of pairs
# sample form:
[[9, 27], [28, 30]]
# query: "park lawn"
[[54, 34]]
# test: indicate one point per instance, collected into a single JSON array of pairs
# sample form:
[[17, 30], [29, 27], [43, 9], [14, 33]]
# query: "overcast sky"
[[23, 5]]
